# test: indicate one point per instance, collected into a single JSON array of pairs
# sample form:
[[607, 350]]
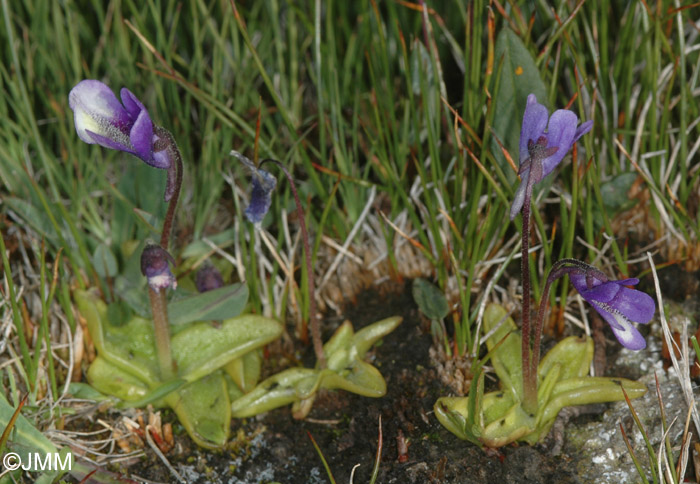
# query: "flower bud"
[[208, 278], [155, 265]]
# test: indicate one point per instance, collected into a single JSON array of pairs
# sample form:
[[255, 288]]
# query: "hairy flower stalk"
[[262, 185], [159, 305], [161, 331], [101, 119], [544, 141], [155, 265]]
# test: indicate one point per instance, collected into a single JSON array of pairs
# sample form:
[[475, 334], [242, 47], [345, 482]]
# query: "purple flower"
[[263, 183], [617, 304], [155, 265], [101, 119], [544, 144]]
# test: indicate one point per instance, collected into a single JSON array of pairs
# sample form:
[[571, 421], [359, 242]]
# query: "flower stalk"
[[161, 331], [159, 307], [313, 317], [529, 376], [263, 183], [544, 141], [166, 142], [100, 118]]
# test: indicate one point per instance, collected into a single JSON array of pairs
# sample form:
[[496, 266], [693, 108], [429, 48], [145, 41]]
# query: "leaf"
[[86, 392], [126, 365], [203, 408], [199, 248], [583, 391], [506, 359], [346, 370], [155, 396], [572, 354], [453, 414], [515, 424], [26, 439], [615, 195], [104, 261], [360, 378], [35, 218], [233, 391], [148, 219], [130, 346], [109, 379], [430, 300], [280, 389], [365, 338], [222, 303], [197, 350], [245, 371], [563, 381], [519, 78], [615, 192], [202, 348]]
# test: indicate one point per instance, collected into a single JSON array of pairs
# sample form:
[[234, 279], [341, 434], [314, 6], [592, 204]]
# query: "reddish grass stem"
[[313, 318]]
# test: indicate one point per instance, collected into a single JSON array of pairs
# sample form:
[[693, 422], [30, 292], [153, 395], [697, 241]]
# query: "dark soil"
[[277, 448]]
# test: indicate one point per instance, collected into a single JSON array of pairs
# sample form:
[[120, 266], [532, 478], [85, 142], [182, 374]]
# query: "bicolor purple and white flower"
[[620, 306], [544, 141], [155, 265], [125, 126]]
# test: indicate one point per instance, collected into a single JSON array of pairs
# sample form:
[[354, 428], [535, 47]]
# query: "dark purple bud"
[[155, 265], [208, 278]]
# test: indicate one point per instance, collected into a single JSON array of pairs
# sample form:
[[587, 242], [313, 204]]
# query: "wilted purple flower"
[[208, 278], [101, 119], [155, 265], [263, 183], [617, 304], [543, 145]]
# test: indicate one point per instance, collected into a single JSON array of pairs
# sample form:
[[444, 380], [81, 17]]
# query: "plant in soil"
[[132, 278], [189, 364], [531, 392], [340, 362]]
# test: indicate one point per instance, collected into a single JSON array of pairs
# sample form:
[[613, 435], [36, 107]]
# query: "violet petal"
[[560, 133], [132, 104], [141, 136], [519, 198], [534, 124], [634, 305], [624, 330], [101, 119], [260, 195], [583, 129]]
